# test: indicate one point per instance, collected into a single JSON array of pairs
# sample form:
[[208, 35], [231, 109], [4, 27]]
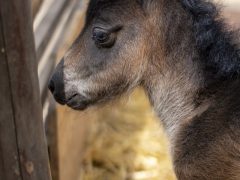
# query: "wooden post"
[[23, 149]]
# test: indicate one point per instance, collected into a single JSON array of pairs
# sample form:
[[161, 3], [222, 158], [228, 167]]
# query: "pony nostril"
[[51, 86]]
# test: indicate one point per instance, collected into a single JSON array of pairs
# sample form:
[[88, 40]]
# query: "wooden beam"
[[47, 62], [8, 147], [36, 4], [23, 149], [47, 26], [52, 136]]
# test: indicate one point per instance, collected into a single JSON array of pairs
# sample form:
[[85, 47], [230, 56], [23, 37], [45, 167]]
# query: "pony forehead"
[[96, 6]]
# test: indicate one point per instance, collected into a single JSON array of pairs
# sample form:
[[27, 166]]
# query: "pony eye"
[[103, 38], [100, 35]]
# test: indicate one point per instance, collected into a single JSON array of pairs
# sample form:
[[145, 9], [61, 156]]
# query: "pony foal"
[[181, 53]]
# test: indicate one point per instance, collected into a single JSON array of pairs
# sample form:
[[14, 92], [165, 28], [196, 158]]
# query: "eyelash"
[[105, 38]]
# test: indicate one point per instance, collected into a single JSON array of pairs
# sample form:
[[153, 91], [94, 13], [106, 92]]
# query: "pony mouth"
[[78, 102]]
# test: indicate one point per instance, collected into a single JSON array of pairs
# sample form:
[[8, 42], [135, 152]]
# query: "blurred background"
[[121, 141]]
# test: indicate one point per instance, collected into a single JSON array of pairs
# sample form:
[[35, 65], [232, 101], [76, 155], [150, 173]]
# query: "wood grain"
[[23, 150]]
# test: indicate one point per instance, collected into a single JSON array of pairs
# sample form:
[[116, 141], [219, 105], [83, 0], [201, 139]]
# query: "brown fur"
[[161, 46]]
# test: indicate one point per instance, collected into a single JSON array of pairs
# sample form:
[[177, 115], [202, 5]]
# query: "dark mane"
[[215, 43]]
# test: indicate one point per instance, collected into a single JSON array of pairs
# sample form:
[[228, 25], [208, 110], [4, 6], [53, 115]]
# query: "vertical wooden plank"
[[9, 164], [52, 135], [72, 127], [20, 107]]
